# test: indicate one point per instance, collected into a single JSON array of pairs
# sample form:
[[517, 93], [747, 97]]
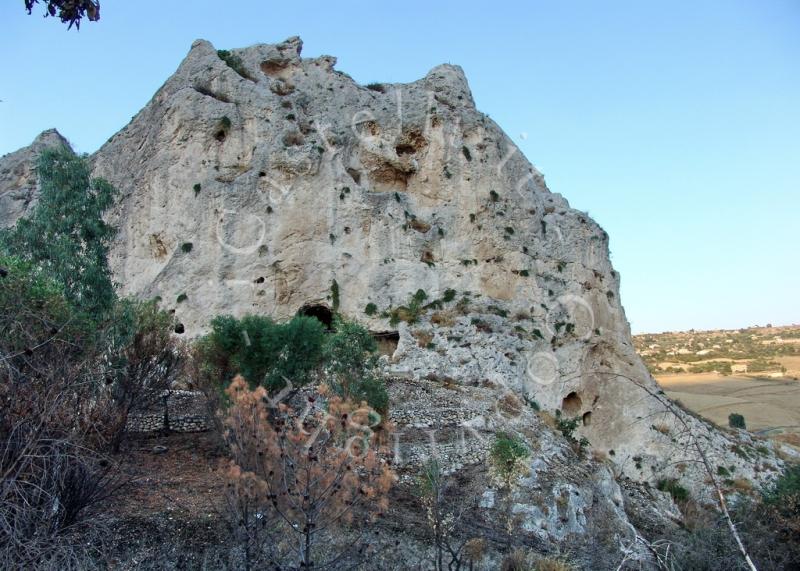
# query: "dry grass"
[[424, 338], [553, 564], [765, 403], [791, 438], [662, 428], [510, 405], [443, 318], [548, 419], [742, 485]]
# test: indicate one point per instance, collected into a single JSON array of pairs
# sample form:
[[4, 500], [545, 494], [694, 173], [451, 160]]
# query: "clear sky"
[[676, 125]]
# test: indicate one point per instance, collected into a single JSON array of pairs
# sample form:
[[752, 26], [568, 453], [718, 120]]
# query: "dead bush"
[[304, 487]]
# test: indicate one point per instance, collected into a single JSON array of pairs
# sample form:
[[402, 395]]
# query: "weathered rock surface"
[[285, 185]]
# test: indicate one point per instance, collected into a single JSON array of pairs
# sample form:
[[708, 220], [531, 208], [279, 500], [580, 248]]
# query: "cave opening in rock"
[[387, 341], [320, 312], [571, 405], [587, 418]]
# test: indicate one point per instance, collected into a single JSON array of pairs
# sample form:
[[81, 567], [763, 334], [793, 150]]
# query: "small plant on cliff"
[[234, 62], [409, 313], [508, 455], [674, 489], [335, 295], [371, 309]]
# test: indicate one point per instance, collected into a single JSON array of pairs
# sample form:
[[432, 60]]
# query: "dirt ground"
[[770, 406], [188, 476]]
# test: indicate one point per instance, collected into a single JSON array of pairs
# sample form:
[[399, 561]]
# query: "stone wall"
[[176, 411]]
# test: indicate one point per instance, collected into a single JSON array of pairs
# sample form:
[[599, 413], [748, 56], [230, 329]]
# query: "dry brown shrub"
[[510, 405], [304, 487], [443, 318]]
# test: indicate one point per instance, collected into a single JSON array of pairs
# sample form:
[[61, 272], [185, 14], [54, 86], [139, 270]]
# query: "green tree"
[[66, 236], [736, 420], [264, 352], [351, 366]]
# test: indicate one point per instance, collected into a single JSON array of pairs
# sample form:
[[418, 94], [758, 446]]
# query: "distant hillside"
[[753, 351]]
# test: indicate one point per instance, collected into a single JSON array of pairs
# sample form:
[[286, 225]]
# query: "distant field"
[[771, 406]]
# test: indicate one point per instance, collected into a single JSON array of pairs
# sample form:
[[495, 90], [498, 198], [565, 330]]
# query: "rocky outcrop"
[[269, 183], [18, 184]]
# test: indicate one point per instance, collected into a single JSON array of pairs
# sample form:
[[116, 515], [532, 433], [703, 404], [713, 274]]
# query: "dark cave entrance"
[[571, 405], [320, 312]]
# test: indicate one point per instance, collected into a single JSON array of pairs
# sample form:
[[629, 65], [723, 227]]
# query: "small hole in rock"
[[571, 404], [387, 341]]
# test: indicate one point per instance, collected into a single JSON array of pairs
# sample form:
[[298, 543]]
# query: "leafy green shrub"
[[181, 298], [186, 247], [376, 87], [507, 452], [567, 426], [197, 187], [409, 313], [673, 488], [351, 365], [786, 490], [371, 309], [264, 352], [736, 420], [497, 310], [449, 295], [234, 62], [494, 196]]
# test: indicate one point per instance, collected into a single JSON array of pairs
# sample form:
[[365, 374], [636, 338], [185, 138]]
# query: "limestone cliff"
[[269, 183]]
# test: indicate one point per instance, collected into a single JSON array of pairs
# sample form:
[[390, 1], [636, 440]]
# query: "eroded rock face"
[[284, 184], [18, 186]]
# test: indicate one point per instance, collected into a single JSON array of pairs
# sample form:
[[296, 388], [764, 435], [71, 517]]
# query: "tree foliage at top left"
[[69, 11]]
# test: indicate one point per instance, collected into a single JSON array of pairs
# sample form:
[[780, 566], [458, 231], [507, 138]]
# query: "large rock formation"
[[274, 184]]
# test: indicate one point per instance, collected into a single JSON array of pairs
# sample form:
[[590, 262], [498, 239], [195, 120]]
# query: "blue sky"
[[676, 125]]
